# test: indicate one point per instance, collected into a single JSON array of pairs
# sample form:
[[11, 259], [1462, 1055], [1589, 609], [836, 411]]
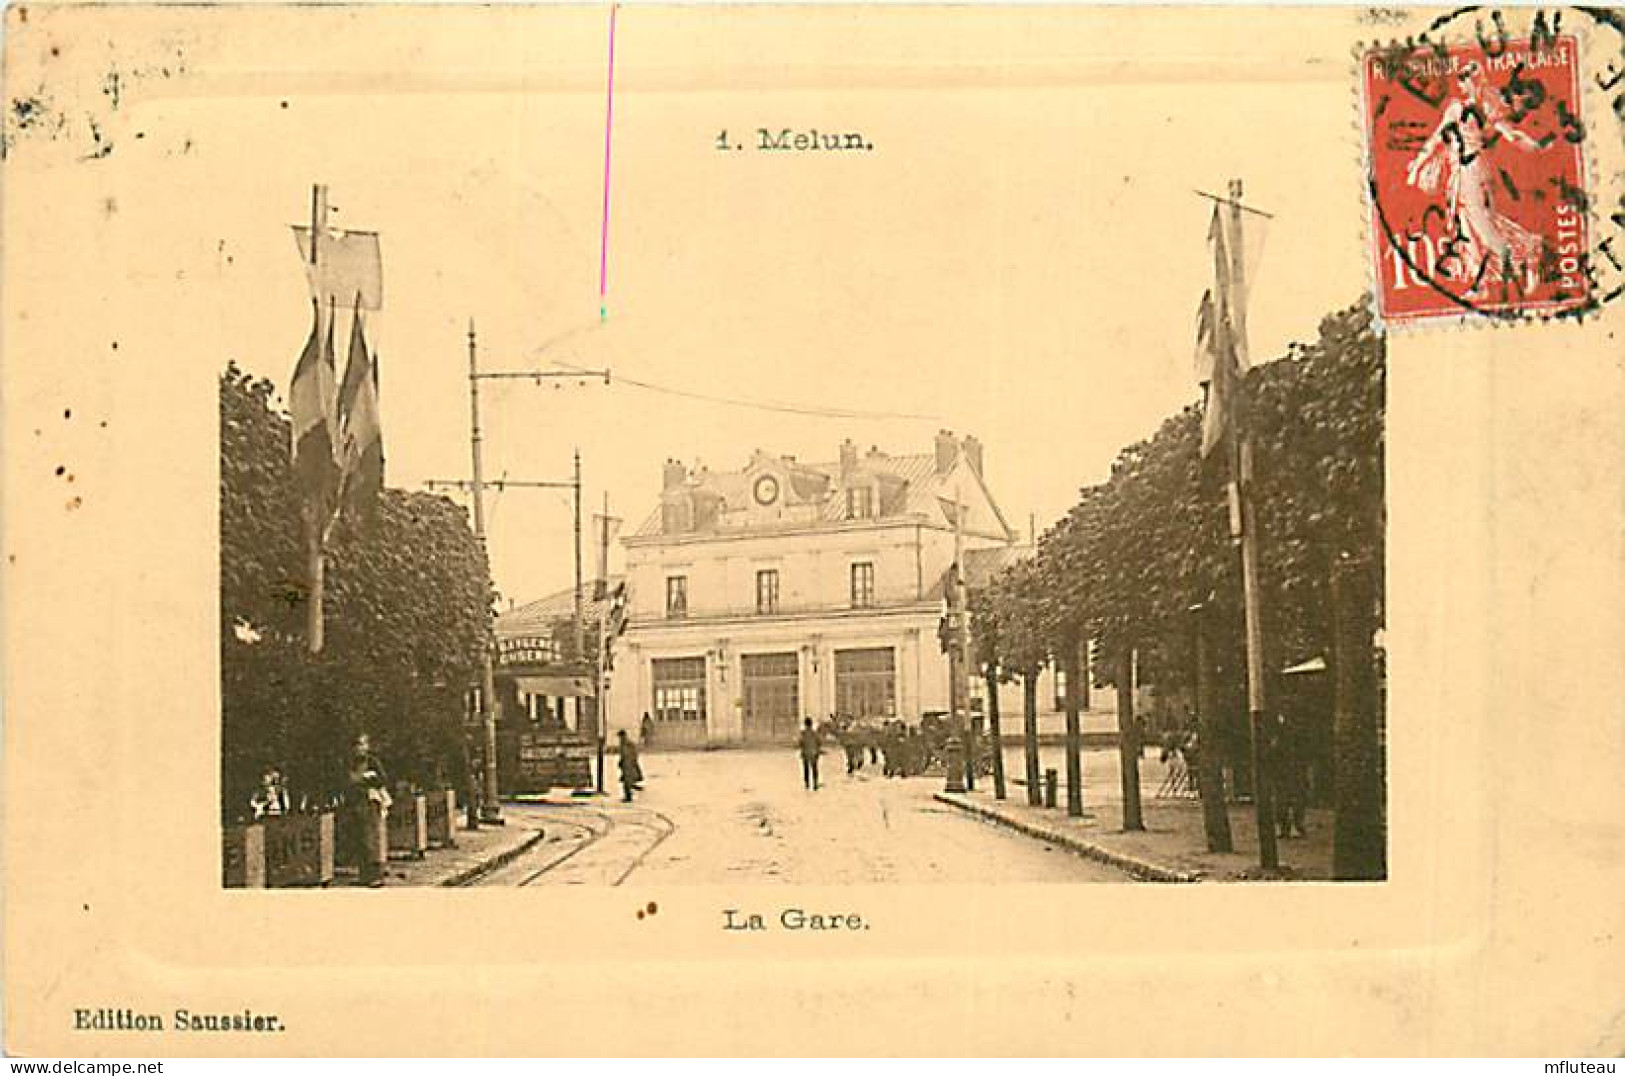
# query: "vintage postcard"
[[999, 530]]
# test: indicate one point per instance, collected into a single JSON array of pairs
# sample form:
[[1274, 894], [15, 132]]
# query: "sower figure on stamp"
[[368, 801], [1487, 245], [809, 747], [631, 769]]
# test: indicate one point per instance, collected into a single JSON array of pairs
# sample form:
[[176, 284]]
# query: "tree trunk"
[[1128, 742], [1029, 734], [995, 740], [1074, 737], [1358, 846], [1209, 738], [1085, 677]]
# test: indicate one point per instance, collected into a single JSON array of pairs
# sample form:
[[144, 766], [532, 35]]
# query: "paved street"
[[713, 817]]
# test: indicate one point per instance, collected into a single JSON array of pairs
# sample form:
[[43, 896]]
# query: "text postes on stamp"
[[1476, 179]]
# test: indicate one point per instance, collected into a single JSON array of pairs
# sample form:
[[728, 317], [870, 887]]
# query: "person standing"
[[646, 730], [809, 746], [271, 799], [631, 769], [368, 802], [1288, 776]]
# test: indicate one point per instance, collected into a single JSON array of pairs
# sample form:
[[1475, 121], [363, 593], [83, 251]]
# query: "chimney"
[[675, 474], [947, 451], [849, 460], [973, 453]]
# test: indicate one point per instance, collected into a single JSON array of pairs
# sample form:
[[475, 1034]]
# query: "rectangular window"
[[767, 590], [860, 503], [676, 596], [866, 683], [863, 585], [679, 689], [1060, 689]]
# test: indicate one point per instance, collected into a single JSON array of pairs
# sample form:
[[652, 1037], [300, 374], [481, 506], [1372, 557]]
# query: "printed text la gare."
[[792, 919]]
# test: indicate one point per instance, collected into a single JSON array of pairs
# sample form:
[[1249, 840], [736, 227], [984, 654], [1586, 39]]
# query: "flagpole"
[[1241, 475], [315, 560]]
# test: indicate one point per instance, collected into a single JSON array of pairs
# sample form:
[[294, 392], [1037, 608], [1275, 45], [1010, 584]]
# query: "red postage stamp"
[[1476, 179]]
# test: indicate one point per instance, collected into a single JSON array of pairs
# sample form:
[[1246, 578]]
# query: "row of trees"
[[1142, 573], [408, 608]]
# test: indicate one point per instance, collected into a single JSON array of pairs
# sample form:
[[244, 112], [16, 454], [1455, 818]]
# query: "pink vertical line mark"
[[609, 119]]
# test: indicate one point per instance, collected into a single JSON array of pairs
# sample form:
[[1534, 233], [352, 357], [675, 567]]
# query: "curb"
[[476, 871], [1137, 868]]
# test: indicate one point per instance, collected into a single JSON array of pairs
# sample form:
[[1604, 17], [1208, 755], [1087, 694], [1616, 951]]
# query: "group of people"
[[365, 798], [899, 749]]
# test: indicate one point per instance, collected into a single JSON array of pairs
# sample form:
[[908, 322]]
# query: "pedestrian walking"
[[852, 744], [631, 770], [646, 729], [810, 747]]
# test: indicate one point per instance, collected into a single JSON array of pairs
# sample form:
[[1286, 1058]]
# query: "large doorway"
[[679, 701], [772, 697], [866, 682]]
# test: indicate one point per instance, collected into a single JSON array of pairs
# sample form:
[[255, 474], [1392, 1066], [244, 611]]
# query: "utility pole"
[[491, 808], [492, 811], [575, 521]]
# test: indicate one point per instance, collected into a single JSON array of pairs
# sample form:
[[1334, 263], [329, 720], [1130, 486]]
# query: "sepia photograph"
[[798, 636]]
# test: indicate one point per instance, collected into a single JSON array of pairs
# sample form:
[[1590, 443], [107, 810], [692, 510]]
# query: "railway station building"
[[790, 589]]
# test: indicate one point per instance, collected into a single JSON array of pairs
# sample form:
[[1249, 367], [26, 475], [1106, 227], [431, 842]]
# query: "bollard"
[[1051, 781], [243, 855]]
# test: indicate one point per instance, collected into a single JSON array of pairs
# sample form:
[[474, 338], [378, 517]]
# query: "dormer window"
[[860, 503]]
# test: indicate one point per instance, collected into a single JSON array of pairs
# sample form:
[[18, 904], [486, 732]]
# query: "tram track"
[[660, 838], [658, 825]]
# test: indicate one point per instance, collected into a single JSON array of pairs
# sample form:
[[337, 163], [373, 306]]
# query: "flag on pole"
[[360, 425], [1207, 341], [350, 270], [1216, 341], [313, 404]]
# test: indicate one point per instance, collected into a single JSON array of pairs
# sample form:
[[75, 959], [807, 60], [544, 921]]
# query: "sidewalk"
[[478, 852], [1173, 847]]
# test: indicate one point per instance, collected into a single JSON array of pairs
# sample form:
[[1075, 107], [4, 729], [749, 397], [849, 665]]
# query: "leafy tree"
[[408, 609], [1130, 561]]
